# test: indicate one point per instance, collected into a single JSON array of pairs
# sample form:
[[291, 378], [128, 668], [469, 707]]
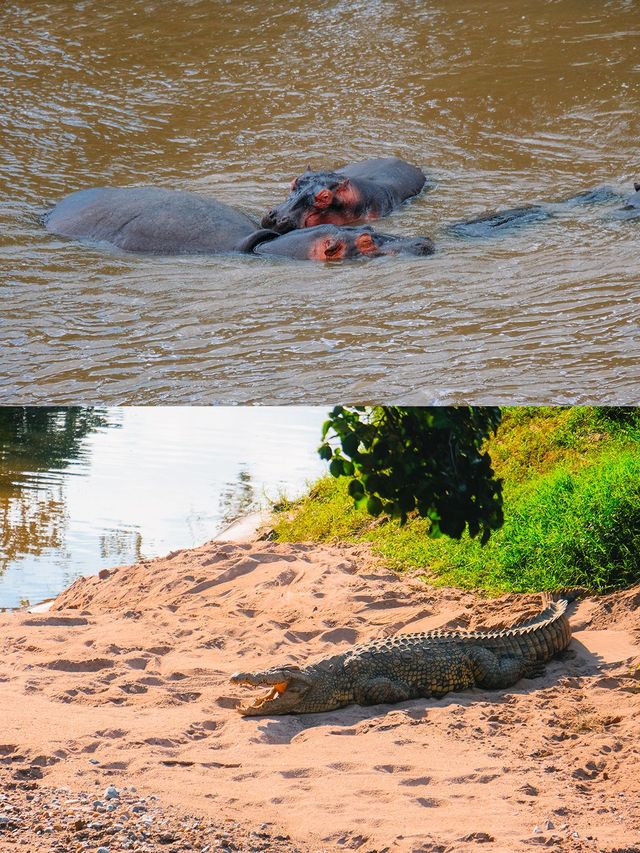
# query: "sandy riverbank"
[[125, 682]]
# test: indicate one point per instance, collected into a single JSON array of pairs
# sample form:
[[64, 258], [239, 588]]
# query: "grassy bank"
[[571, 503]]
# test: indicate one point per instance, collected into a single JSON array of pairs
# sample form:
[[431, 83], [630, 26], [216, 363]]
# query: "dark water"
[[81, 489], [500, 103]]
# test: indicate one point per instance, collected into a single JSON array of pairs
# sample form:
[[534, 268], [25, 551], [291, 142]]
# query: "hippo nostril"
[[423, 247], [283, 224], [269, 219]]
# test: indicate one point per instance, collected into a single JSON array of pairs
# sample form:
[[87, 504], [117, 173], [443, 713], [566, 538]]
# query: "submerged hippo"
[[500, 221], [338, 242], [159, 221], [631, 208], [353, 193]]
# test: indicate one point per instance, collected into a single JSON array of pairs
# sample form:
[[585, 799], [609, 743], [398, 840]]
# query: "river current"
[[500, 103]]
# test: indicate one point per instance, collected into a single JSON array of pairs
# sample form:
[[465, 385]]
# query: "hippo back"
[[153, 220], [402, 179]]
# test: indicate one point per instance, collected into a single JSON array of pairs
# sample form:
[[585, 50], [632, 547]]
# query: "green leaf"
[[356, 489], [325, 451], [335, 468], [374, 505], [350, 444]]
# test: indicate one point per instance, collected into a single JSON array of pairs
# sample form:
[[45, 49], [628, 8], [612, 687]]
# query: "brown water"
[[500, 103]]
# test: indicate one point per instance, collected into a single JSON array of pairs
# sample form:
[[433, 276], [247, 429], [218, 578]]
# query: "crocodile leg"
[[378, 691], [493, 671]]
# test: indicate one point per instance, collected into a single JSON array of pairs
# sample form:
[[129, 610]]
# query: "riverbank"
[[571, 501], [125, 682]]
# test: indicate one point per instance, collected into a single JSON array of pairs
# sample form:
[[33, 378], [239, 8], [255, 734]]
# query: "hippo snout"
[[407, 245], [278, 222], [422, 246], [269, 219]]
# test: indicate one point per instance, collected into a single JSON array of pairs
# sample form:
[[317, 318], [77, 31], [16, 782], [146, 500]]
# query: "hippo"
[[354, 193], [631, 207], [154, 220], [158, 221], [339, 242], [497, 222]]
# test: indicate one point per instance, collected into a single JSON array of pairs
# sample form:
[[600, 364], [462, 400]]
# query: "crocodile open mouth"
[[276, 691], [286, 688]]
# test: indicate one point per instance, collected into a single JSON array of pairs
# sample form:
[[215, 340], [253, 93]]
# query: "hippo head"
[[316, 198], [335, 243]]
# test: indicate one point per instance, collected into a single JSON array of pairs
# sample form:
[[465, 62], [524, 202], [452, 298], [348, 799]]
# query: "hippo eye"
[[323, 198]]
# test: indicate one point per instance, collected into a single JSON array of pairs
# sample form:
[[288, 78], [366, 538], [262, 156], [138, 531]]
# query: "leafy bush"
[[571, 506]]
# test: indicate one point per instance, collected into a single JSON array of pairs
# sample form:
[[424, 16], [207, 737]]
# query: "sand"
[[125, 681]]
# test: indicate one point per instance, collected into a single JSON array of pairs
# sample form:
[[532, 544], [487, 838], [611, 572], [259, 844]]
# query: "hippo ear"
[[637, 187], [345, 192], [262, 235]]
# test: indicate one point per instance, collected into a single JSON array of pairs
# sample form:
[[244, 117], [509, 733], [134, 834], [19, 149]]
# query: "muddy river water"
[[500, 103]]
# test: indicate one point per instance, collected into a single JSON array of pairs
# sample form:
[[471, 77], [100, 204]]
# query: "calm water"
[[500, 103], [79, 492]]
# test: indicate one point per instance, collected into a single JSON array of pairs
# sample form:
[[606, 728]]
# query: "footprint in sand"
[[428, 802], [90, 665], [342, 766], [269, 557], [188, 697], [159, 650], [481, 778], [133, 688], [285, 578], [419, 780], [137, 663], [339, 635], [392, 768], [164, 742], [199, 731], [57, 621], [299, 773], [151, 681], [300, 636], [590, 771]]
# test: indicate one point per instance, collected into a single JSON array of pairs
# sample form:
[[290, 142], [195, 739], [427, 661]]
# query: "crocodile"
[[411, 666]]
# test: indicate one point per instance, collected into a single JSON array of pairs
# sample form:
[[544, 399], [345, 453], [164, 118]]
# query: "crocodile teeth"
[[275, 691]]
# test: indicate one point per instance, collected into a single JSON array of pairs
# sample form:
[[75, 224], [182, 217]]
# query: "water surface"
[[500, 103], [82, 489]]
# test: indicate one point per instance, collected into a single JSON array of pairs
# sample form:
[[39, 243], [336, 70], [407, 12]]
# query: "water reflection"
[[36, 445], [86, 488]]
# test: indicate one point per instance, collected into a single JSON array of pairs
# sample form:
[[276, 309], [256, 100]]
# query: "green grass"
[[571, 503]]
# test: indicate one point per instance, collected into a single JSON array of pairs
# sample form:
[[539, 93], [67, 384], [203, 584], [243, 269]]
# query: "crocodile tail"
[[568, 594]]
